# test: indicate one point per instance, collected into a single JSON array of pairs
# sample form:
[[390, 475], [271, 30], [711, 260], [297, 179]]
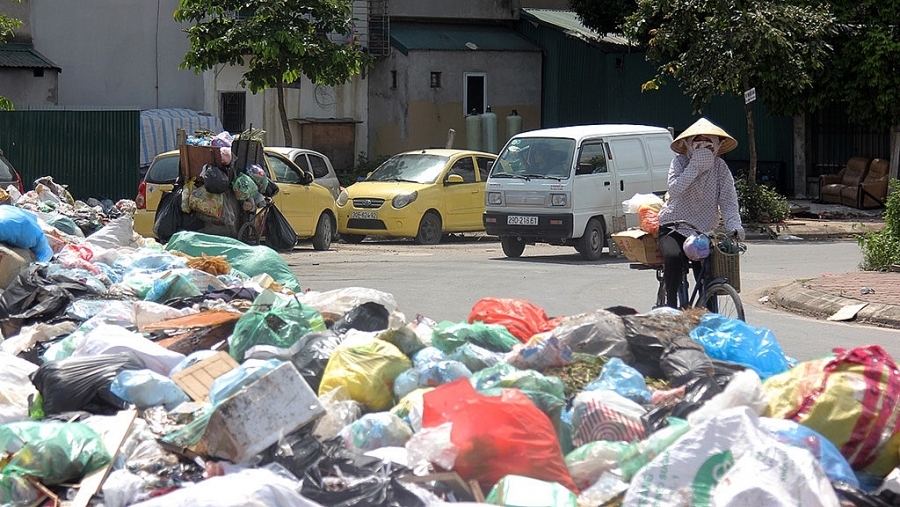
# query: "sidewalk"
[[870, 297]]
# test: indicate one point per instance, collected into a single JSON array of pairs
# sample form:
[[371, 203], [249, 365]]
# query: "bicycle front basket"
[[725, 265]]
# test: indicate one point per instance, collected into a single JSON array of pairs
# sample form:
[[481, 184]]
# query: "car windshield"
[[411, 167], [535, 157], [163, 170]]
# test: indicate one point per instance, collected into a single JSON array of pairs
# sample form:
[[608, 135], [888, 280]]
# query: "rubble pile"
[[199, 373]]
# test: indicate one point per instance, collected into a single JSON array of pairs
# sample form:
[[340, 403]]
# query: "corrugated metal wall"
[[96, 153], [834, 140], [582, 84]]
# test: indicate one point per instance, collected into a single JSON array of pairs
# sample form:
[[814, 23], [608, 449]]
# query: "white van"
[[565, 186]]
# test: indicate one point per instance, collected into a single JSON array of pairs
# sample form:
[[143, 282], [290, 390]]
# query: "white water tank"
[[489, 131], [473, 132]]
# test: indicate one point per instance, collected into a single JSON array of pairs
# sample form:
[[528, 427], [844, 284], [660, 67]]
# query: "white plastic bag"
[[15, 388], [744, 390], [634, 204]]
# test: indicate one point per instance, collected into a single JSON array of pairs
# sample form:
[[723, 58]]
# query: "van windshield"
[[535, 157]]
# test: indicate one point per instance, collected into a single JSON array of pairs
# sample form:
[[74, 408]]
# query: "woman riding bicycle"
[[701, 191]]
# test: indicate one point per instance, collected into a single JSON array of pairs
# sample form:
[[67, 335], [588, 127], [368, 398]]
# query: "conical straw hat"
[[706, 127]]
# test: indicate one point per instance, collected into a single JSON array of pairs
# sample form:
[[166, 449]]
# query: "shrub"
[[760, 204], [881, 249], [364, 166]]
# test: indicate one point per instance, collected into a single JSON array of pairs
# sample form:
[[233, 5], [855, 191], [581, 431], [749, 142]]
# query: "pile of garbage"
[[199, 373]]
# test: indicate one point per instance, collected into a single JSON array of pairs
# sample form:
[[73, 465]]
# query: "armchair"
[[831, 185], [872, 189]]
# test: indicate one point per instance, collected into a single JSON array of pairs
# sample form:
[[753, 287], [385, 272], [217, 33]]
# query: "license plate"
[[520, 220], [368, 215]]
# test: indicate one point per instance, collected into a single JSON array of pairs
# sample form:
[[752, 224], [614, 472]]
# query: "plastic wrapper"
[[494, 432], [634, 204], [475, 358], [334, 304], [448, 336], [53, 452], [244, 187], [522, 319], [367, 367], [623, 379], [146, 388], [540, 353], [375, 430], [82, 383], [432, 445], [273, 320], [340, 410], [605, 415], [431, 374]]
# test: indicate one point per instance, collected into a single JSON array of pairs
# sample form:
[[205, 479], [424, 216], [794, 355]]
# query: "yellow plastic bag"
[[850, 399], [367, 367]]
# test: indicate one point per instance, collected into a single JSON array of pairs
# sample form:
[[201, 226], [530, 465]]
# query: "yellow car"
[[418, 194], [310, 209]]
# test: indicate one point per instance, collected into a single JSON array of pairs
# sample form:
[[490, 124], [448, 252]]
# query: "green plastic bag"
[[547, 393], [252, 260], [54, 452], [273, 319], [448, 336]]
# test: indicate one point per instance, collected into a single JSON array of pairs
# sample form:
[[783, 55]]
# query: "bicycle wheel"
[[721, 298]]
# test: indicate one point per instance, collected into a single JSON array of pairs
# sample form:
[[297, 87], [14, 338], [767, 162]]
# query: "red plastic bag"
[[496, 435], [521, 318], [648, 218]]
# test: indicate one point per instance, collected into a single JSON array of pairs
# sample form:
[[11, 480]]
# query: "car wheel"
[[429, 229], [353, 238], [324, 233], [512, 247], [248, 234], [590, 245]]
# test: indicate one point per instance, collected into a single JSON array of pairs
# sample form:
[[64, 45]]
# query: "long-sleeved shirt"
[[700, 189]]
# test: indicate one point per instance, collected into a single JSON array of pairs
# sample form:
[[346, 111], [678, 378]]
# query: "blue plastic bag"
[[146, 388], [736, 341], [623, 379], [792, 433], [19, 228]]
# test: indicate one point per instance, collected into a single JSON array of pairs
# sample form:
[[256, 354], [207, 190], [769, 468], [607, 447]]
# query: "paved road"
[[443, 282]]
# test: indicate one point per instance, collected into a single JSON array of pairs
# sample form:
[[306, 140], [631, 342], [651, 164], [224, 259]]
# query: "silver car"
[[315, 163], [9, 176]]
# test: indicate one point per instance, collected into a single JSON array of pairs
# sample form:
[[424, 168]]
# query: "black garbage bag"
[[214, 179], [683, 359], [860, 498], [369, 316], [298, 452], [312, 353], [650, 335], [33, 297], [280, 236], [373, 483], [697, 391], [170, 218], [82, 383]]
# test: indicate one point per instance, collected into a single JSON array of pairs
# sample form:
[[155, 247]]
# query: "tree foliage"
[[8, 25], [725, 47], [277, 40], [603, 16]]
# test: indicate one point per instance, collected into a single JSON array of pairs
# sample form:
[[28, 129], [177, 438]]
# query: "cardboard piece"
[[195, 380], [639, 246]]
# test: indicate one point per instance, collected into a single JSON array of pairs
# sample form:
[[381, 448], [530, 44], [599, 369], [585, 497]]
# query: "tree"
[[278, 40], [726, 47], [8, 25], [603, 16]]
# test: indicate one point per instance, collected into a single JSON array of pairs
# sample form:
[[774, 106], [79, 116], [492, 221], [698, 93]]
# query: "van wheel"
[[512, 247], [590, 245], [429, 229], [324, 233]]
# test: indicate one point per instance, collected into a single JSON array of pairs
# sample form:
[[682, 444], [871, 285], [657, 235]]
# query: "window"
[[393, 80], [319, 169], [592, 159], [465, 168], [435, 79], [283, 172], [484, 167], [234, 111], [476, 92]]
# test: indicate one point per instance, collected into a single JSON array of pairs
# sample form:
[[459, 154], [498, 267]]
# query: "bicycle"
[[712, 293]]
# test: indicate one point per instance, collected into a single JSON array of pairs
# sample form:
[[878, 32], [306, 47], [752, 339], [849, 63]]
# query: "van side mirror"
[[454, 179]]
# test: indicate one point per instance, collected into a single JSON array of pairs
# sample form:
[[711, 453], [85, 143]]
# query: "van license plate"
[[368, 215], [520, 220]]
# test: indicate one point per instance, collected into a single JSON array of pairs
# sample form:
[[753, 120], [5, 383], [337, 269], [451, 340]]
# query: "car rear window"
[[319, 169], [163, 170], [6, 172]]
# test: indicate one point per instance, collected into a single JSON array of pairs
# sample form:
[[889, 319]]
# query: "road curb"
[[799, 298]]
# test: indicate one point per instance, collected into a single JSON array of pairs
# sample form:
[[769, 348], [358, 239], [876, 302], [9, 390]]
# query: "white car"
[[315, 163]]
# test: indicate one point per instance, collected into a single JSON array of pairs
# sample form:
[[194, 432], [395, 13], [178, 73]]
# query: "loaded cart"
[[224, 189]]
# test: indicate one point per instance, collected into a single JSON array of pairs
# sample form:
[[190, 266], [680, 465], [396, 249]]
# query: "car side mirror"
[[454, 179]]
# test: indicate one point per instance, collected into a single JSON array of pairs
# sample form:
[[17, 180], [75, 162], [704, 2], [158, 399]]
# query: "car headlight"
[[403, 200], [342, 198], [495, 198], [558, 199]]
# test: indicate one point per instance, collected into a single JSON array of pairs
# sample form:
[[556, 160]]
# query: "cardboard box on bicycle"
[[638, 246]]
